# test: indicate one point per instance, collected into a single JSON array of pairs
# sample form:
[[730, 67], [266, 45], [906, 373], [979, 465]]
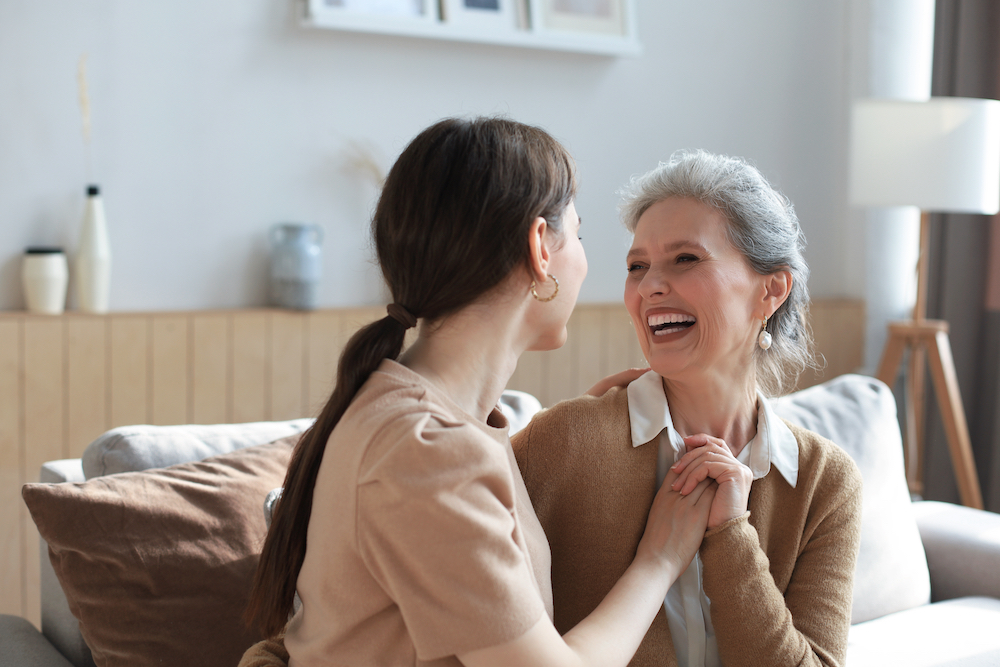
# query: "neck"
[[470, 355], [722, 407]]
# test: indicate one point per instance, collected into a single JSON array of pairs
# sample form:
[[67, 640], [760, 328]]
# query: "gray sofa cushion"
[[136, 448], [956, 633], [963, 549], [23, 646], [518, 407], [859, 413]]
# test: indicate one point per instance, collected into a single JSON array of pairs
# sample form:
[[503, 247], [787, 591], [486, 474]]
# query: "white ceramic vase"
[[44, 276], [93, 258]]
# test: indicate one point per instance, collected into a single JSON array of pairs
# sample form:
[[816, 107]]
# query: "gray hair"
[[762, 226]]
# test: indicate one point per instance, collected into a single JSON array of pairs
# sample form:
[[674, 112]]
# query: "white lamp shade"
[[938, 155]]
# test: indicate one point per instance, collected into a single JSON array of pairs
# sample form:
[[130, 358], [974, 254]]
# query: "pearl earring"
[[764, 339]]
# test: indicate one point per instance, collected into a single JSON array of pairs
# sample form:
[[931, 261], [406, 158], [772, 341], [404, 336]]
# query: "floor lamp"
[[941, 155]]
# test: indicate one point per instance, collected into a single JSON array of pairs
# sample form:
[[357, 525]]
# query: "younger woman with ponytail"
[[404, 525]]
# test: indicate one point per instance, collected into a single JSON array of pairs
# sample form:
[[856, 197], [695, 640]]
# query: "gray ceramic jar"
[[296, 265]]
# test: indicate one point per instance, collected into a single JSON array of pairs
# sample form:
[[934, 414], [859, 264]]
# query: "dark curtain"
[[965, 262]]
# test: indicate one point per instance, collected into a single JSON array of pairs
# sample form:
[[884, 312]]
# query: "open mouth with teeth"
[[668, 323]]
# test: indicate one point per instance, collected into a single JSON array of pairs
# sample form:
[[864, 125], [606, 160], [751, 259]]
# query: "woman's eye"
[[686, 258], [635, 267]]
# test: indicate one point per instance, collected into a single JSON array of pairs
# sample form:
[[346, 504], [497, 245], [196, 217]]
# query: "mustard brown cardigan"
[[779, 578]]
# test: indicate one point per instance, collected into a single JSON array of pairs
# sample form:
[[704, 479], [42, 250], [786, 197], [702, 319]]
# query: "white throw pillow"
[[859, 413], [136, 448]]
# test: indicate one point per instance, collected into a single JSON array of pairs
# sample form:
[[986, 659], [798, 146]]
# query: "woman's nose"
[[654, 284]]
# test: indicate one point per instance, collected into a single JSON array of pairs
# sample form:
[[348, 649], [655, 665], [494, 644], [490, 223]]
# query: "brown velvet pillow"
[[157, 565]]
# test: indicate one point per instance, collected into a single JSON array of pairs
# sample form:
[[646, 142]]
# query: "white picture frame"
[[485, 15], [585, 17], [403, 11]]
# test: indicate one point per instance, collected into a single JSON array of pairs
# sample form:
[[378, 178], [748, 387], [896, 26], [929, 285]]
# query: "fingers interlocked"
[[710, 458]]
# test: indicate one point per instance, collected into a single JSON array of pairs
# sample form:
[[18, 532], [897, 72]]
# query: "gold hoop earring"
[[764, 339], [549, 298]]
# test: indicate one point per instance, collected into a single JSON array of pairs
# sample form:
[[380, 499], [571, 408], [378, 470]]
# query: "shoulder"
[[402, 427], [571, 435], [582, 414], [824, 466]]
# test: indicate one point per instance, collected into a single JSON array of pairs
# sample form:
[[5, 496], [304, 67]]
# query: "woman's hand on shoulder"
[[710, 458], [620, 379]]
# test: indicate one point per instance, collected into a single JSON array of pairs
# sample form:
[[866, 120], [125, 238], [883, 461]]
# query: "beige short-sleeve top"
[[422, 542]]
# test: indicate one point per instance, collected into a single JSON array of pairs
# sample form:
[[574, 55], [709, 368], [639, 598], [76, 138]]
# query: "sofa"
[[152, 537]]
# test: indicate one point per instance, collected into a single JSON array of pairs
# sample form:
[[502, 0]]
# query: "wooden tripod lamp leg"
[[892, 356], [953, 415], [888, 371], [916, 417], [928, 339]]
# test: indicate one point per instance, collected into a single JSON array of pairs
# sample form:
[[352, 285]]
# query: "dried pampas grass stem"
[[81, 80], [361, 160]]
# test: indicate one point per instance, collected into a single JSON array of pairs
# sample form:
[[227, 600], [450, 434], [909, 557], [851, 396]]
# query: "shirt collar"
[[774, 443]]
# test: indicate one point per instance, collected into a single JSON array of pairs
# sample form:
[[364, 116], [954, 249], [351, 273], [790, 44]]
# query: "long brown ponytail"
[[451, 224]]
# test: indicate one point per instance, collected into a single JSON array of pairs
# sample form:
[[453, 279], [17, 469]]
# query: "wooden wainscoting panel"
[[323, 336], [87, 409], [839, 331], [530, 375], [600, 342], [288, 385], [328, 333], [591, 333], [44, 425], [562, 366], [169, 373], [130, 368], [44, 391], [251, 393], [623, 346], [211, 369], [13, 593]]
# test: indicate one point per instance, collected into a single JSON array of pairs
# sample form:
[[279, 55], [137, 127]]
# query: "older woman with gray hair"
[[716, 289]]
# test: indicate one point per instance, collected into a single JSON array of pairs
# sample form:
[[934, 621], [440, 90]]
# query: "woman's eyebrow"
[[633, 253], [676, 245]]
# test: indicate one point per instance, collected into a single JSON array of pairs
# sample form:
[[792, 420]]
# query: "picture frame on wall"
[[602, 17], [393, 10], [483, 15], [606, 27]]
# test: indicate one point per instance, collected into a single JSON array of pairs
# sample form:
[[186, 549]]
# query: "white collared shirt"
[[686, 604]]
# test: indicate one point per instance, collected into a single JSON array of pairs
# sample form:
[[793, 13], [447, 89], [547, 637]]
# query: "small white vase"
[[44, 276], [93, 258]]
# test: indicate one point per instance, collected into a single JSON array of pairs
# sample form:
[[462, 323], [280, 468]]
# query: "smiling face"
[[695, 303]]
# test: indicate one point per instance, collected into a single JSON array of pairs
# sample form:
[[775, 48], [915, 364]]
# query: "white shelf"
[[434, 28]]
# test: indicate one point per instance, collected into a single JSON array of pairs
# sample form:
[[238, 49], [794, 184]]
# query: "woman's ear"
[[777, 287], [539, 254]]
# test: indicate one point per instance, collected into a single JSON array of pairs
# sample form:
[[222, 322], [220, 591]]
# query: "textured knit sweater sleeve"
[[793, 608], [266, 653]]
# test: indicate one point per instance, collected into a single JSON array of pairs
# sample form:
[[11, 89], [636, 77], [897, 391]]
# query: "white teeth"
[[668, 318], [668, 330]]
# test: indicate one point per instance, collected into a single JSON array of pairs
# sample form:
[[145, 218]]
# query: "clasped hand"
[[677, 524], [710, 458]]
